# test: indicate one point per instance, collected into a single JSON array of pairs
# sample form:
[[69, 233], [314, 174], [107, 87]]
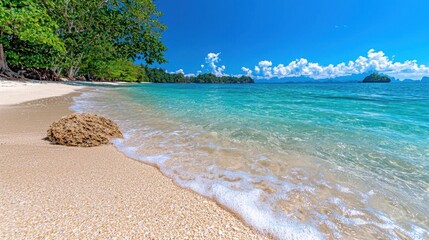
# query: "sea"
[[296, 161]]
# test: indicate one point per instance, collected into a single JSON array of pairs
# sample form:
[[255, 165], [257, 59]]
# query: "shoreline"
[[53, 191]]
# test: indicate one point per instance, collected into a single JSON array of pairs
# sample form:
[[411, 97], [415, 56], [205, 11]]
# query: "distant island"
[[376, 78]]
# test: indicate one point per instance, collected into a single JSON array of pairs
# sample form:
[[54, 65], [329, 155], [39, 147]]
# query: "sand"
[[57, 192], [14, 92]]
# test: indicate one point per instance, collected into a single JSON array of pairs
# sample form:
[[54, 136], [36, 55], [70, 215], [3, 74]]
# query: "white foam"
[[131, 151], [245, 202]]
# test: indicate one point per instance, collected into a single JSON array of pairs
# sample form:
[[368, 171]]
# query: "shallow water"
[[298, 161]]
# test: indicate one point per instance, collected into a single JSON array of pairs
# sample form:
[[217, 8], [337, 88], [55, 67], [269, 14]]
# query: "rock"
[[80, 78], [83, 130]]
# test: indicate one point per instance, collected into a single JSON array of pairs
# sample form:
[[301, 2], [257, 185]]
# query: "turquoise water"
[[309, 161]]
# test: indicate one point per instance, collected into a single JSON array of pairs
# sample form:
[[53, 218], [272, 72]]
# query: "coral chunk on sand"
[[83, 130]]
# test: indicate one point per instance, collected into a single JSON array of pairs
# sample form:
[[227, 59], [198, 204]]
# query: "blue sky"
[[283, 38]]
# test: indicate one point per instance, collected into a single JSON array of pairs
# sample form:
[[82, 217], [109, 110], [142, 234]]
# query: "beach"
[[283, 120], [57, 192]]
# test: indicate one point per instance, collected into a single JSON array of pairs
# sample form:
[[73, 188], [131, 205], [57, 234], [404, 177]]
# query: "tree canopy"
[[29, 21], [25, 24], [102, 31], [75, 37]]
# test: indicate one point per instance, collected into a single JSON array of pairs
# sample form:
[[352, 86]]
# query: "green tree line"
[[126, 71], [158, 75]]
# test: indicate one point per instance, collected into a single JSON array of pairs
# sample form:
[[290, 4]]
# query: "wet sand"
[[56, 192]]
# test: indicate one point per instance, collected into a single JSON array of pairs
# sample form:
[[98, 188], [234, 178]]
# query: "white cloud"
[[247, 71], [179, 71], [265, 63], [266, 68], [374, 61], [213, 59]]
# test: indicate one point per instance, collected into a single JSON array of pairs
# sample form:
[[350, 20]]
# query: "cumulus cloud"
[[179, 71], [265, 63], [247, 71], [212, 60], [373, 62], [190, 75], [266, 68]]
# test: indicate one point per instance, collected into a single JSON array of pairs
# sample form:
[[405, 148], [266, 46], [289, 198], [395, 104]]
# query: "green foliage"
[[24, 53], [78, 37], [97, 31], [376, 78], [28, 21], [121, 70]]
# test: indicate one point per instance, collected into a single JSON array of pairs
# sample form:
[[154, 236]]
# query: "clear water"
[[298, 161]]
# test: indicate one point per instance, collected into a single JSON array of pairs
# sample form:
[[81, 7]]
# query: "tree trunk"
[[70, 73], [5, 71], [3, 64]]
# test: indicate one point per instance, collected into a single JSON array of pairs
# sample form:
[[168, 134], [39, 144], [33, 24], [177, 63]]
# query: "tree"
[[100, 31], [123, 70], [25, 20]]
